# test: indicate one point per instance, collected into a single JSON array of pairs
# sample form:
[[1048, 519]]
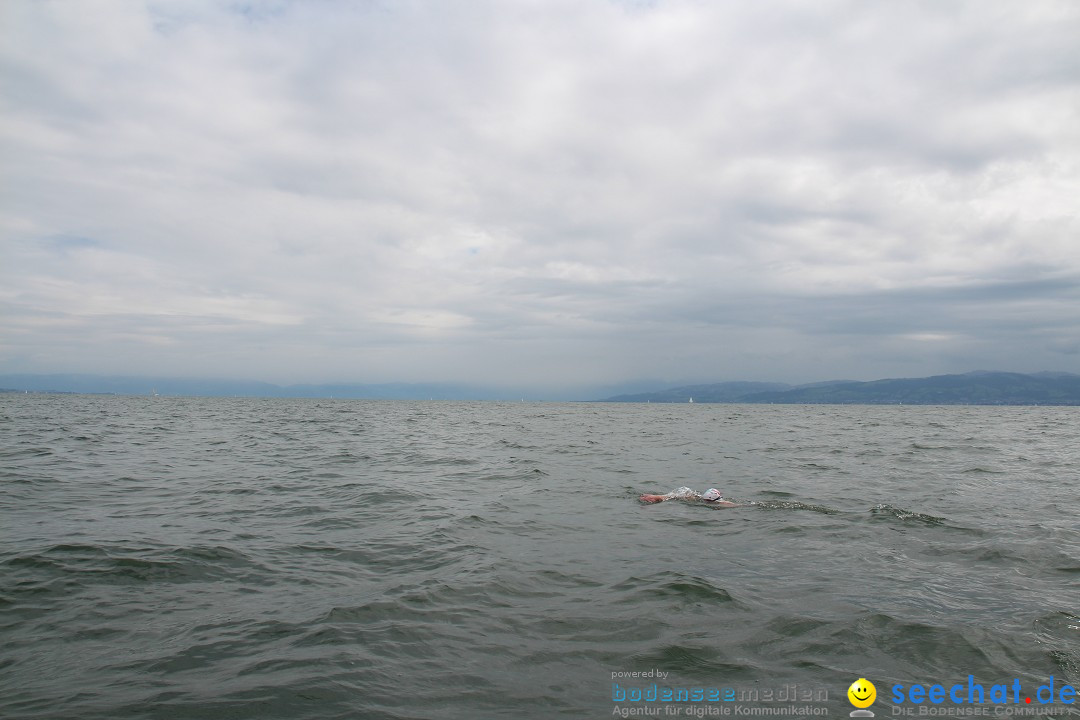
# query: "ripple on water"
[[889, 512], [705, 660], [91, 564]]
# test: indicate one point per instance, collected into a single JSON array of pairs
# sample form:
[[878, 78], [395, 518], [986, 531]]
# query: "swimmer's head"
[[711, 495]]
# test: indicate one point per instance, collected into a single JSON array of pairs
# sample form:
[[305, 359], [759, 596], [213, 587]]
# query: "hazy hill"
[[718, 392], [976, 388]]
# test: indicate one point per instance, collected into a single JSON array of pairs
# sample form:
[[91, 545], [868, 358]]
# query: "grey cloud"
[[427, 191]]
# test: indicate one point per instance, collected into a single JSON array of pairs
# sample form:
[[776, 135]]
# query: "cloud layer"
[[539, 193]]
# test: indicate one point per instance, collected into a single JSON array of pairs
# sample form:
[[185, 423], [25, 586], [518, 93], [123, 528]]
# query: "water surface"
[[239, 558]]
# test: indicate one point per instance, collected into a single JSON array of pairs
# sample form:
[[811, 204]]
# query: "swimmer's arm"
[[646, 498], [683, 493]]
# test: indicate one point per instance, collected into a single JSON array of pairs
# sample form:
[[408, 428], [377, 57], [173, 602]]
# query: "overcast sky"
[[547, 192]]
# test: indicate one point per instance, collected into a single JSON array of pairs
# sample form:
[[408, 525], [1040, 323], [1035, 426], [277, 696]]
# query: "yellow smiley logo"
[[862, 693]]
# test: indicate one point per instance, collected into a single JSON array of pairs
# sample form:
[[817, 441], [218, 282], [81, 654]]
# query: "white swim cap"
[[711, 494]]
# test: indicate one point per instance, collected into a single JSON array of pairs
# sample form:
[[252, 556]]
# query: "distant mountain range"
[[975, 388]]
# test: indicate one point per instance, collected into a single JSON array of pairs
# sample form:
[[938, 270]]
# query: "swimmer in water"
[[711, 496]]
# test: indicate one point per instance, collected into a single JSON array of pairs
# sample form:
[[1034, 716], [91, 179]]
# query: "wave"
[[672, 587]]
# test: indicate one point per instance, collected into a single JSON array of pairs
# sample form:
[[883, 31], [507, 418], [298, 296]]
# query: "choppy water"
[[237, 558]]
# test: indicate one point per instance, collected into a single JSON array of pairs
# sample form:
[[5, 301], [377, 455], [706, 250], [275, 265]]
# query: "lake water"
[[241, 558]]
